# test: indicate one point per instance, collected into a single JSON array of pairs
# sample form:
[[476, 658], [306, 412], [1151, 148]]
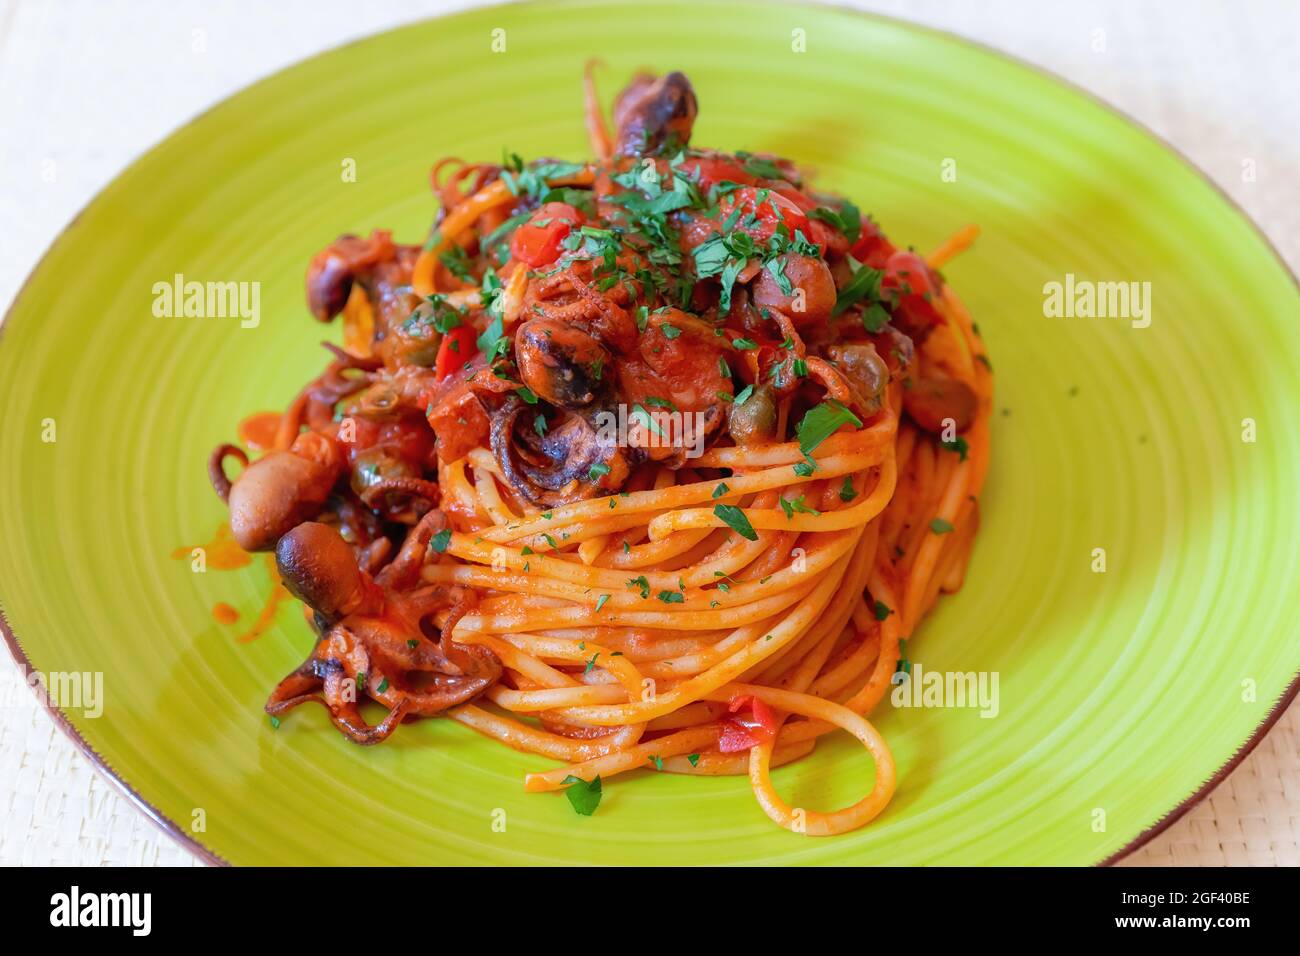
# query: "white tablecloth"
[[88, 85]]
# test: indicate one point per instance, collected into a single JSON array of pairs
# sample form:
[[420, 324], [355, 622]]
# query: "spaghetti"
[[652, 462]]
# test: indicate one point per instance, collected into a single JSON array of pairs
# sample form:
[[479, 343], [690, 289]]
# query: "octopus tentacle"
[[349, 720], [217, 468], [415, 487], [372, 634], [403, 571]]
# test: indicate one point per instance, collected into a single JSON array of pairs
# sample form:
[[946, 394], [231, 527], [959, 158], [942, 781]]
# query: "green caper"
[[866, 371], [378, 464], [753, 421], [416, 339]]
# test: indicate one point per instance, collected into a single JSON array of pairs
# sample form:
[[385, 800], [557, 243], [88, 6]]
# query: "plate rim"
[[209, 856]]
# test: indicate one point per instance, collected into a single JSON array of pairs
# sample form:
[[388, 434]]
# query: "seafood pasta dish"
[[646, 462]]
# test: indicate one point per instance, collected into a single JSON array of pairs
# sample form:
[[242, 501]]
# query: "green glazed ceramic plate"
[[1122, 694]]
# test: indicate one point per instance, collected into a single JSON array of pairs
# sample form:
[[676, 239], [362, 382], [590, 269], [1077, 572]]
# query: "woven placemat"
[[57, 809], [1250, 819]]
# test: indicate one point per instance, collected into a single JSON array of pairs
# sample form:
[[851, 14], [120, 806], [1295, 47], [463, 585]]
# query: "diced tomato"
[[758, 726], [872, 248], [761, 219], [458, 347], [409, 439], [804, 203], [754, 363], [696, 231], [907, 275], [828, 240], [357, 434], [458, 419], [537, 242], [684, 366], [712, 170]]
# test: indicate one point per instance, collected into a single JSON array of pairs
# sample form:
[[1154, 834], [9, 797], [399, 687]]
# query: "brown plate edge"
[[156, 816]]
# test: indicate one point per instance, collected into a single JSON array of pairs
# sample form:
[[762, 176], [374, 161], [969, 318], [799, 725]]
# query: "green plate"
[[1122, 693]]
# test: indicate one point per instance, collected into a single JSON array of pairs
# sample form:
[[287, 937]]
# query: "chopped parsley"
[[822, 421], [736, 520], [904, 664], [645, 418], [847, 219], [791, 505], [958, 444], [583, 796], [759, 166], [531, 180], [863, 285], [457, 263]]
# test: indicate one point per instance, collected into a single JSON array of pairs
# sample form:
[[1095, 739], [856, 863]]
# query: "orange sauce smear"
[[223, 552], [223, 613], [258, 430], [266, 617]]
